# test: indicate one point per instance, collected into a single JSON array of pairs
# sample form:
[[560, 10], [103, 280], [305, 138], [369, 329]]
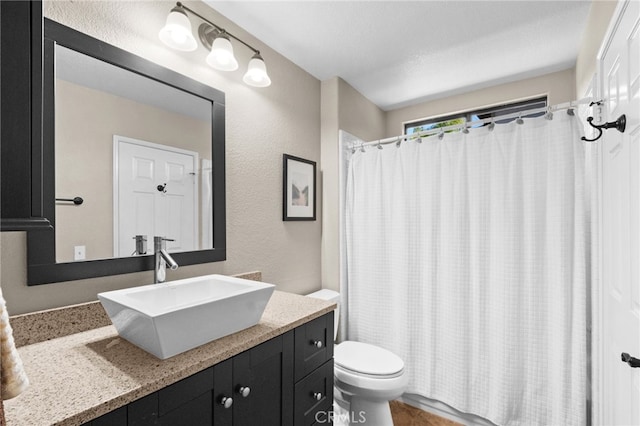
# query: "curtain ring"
[[520, 120]]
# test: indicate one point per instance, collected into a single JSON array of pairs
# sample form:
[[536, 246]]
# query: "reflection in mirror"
[[86, 230], [139, 154]]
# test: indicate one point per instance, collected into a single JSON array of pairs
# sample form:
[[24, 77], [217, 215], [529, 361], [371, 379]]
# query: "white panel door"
[[155, 195], [620, 153]]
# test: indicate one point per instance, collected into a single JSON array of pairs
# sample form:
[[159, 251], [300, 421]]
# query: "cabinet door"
[[144, 411], [223, 397], [187, 402], [196, 412], [116, 417], [184, 403], [179, 394], [267, 372], [20, 107]]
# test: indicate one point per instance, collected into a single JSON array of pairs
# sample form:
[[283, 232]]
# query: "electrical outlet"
[[79, 252]]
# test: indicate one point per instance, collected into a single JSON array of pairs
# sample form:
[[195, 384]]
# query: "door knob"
[[317, 343], [633, 362]]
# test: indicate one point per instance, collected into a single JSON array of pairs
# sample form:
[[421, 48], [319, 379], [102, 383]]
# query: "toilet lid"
[[368, 359]]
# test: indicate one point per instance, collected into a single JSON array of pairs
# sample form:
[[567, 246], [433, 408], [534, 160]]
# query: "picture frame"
[[298, 189]]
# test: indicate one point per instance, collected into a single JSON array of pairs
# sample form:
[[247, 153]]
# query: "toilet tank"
[[330, 296]]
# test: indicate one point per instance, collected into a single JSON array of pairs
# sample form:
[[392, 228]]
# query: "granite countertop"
[[81, 376]]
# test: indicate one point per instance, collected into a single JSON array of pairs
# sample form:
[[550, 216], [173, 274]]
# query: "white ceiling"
[[399, 53]]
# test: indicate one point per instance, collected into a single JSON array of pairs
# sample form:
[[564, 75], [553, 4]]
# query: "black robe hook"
[[620, 125]]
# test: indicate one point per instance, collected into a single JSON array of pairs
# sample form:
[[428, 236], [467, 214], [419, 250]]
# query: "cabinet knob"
[[244, 391], [317, 396], [226, 401], [317, 343]]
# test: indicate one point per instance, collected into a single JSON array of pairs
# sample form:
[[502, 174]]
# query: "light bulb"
[[177, 31], [221, 55], [256, 74]]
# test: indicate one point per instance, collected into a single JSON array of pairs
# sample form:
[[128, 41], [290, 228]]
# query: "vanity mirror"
[[142, 146]]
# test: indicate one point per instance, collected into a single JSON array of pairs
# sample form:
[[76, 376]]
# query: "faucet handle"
[[141, 245], [156, 238], [159, 243]]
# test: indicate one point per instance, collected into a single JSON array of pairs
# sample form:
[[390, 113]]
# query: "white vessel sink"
[[169, 318]]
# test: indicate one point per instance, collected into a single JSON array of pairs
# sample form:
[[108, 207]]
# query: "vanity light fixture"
[[178, 35], [256, 74], [221, 56], [177, 31]]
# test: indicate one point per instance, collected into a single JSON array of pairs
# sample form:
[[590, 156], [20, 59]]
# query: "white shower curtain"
[[466, 256]]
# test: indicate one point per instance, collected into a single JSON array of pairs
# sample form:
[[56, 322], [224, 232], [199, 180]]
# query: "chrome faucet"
[[162, 259], [141, 245]]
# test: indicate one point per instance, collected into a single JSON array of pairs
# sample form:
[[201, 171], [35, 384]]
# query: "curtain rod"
[[569, 106]]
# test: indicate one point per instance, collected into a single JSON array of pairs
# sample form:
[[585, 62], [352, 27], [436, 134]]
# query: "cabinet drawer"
[[313, 345], [314, 396]]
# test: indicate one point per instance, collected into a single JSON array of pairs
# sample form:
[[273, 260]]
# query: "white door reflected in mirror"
[[94, 101], [155, 193]]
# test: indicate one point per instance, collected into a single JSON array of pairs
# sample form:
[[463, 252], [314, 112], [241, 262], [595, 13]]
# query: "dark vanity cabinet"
[[20, 108], [287, 380]]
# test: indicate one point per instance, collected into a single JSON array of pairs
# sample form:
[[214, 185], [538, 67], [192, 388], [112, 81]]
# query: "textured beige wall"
[[343, 108], [262, 124], [558, 86], [598, 20], [84, 159], [330, 185], [358, 115]]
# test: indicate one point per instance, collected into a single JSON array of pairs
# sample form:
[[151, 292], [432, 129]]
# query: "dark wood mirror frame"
[[27, 142]]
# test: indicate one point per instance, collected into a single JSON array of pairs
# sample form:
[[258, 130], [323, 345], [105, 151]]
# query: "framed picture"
[[298, 189]]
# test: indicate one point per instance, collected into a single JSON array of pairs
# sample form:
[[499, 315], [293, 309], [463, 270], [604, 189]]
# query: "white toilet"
[[366, 377]]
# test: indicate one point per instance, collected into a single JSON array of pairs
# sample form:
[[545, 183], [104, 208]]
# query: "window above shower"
[[478, 115]]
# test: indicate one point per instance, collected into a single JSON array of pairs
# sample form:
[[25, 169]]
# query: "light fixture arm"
[[204, 33]]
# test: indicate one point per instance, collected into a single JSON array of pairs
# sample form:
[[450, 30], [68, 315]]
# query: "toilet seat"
[[368, 372], [367, 360]]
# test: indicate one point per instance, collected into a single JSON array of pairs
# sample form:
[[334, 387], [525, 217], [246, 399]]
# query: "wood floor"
[[406, 415]]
